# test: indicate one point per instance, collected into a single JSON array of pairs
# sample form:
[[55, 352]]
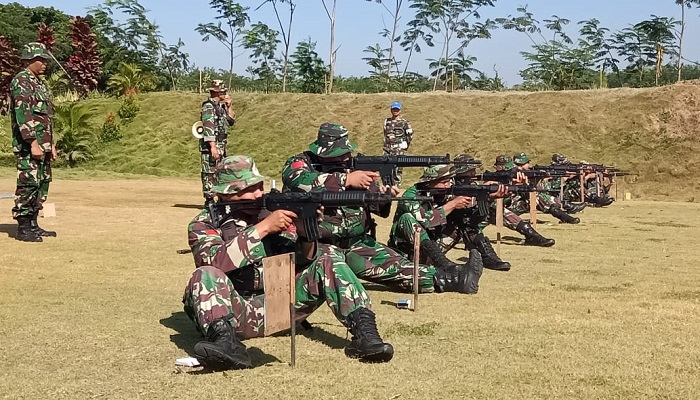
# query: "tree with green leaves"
[[392, 34], [130, 79], [286, 34], [684, 4], [74, 140], [262, 40], [308, 68], [593, 40], [236, 17], [659, 32]]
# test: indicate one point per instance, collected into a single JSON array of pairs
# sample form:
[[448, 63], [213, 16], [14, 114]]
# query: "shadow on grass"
[[378, 287], [321, 335], [9, 229], [187, 336]]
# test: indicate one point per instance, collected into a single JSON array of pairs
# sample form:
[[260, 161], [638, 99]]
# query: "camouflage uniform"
[[348, 227], [215, 123], [225, 294], [32, 119], [398, 134], [228, 281]]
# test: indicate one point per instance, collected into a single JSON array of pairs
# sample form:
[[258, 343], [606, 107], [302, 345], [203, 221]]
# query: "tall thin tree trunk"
[[391, 41], [680, 41], [332, 55], [286, 47]]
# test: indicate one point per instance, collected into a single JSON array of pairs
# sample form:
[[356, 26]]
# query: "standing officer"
[[398, 134], [32, 142], [217, 116]]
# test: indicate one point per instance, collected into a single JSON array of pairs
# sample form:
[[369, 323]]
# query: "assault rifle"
[[387, 164], [564, 169], [506, 176], [303, 204], [481, 192]]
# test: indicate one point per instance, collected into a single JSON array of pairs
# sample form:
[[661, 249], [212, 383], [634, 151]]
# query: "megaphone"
[[198, 129]]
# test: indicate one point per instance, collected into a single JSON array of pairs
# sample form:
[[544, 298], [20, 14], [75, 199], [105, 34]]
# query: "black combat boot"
[[37, 229], [449, 276], [488, 254], [474, 268], [573, 208], [563, 216], [25, 233], [532, 238], [366, 344], [222, 350]]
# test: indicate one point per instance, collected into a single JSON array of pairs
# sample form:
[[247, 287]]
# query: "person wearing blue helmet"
[[398, 134]]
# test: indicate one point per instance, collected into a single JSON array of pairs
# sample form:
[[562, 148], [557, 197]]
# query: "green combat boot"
[[366, 344], [222, 350], [25, 233], [37, 229]]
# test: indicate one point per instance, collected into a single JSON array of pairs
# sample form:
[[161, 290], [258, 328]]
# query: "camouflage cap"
[[217, 85], [332, 141], [435, 172], [33, 50], [559, 159], [521, 158], [509, 165], [502, 160], [464, 168], [235, 174]]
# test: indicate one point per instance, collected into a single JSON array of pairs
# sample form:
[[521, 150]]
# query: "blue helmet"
[[396, 104]]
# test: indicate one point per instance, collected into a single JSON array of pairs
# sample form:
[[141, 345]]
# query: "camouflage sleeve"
[[208, 122], [297, 175], [23, 105], [209, 248], [427, 216]]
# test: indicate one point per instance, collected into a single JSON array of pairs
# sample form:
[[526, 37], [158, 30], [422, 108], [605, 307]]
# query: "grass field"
[[611, 311]]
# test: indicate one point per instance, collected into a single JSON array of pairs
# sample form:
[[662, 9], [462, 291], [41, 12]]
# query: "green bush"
[[129, 109], [110, 129]]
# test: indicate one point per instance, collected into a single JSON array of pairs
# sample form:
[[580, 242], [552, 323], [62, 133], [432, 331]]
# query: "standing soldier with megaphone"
[[217, 116]]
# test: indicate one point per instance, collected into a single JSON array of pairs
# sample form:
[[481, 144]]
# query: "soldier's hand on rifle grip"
[[461, 202], [500, 193], [277, 221], [390, 190], [360, 179], [521, 179]]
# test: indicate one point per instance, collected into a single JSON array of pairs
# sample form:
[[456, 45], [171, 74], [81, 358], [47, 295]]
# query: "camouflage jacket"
[[215, 122], [398, 134], [428, 215], [236, 248], [299, 175], [32, 113]]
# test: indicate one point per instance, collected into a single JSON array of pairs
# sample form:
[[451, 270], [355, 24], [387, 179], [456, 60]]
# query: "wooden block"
[[49, 210], [279, 281], [533, 209], [628, 196]]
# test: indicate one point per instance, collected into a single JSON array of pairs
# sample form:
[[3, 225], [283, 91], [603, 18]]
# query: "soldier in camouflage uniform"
[[438, 233], [545, 201], [225, 297], [570, 185], [595, 188], [217, 117], [350, 227], [398, 134], [32, 142], [511, 219]]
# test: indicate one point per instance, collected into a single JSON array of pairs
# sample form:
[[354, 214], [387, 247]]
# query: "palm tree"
[[659, 32], [74, 140], [130, 79]]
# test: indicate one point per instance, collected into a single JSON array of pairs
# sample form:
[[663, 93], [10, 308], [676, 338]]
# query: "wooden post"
[[200, 81], [279, 275], [416, 268], [499, 224], [582, 182], [533, 209]]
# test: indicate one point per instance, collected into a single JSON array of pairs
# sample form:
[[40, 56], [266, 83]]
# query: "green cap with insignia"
[[521, 158], [332, 141], [435, 172], [235, 174], [33, 50]]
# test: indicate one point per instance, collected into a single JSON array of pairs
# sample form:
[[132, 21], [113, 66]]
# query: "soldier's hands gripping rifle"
[[505, 177], [387, 164], [480, 192], [304, 205]]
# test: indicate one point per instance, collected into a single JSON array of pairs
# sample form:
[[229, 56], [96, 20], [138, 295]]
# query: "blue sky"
[[358, 24]]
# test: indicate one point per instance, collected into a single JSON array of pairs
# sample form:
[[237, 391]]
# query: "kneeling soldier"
[[224, 296]]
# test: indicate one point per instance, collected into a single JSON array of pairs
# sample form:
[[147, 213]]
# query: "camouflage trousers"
[[208, 173], [592, 189], [210, 295], [510, 219], [398, 172], [33, 178], [401, 237], [545, 202], [375, 262]]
